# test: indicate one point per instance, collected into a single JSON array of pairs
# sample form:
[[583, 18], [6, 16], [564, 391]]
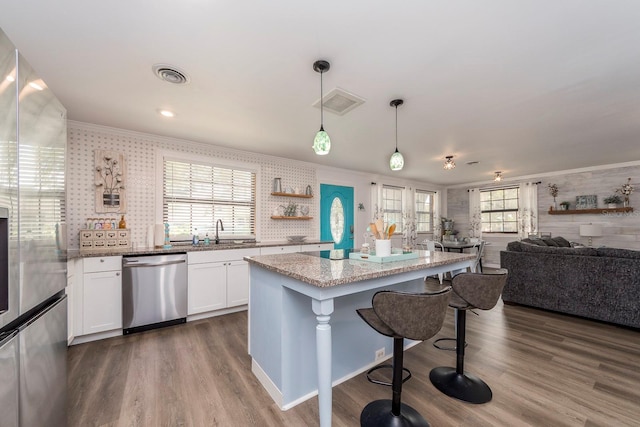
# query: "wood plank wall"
[[619, 230]]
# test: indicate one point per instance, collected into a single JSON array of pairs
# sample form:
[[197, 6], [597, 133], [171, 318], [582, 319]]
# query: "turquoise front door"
[[336, 215]]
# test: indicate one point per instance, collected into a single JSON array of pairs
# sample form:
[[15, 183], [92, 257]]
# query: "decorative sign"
[[587, 202], [110, 174]]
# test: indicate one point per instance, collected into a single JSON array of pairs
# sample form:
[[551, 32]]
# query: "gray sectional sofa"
[[601, 284]]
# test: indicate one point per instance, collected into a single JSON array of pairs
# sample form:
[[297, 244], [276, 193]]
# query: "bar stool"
[[417, 316], [470, 290]]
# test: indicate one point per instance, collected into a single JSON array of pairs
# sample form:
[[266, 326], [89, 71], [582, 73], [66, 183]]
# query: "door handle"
[[351, 229]]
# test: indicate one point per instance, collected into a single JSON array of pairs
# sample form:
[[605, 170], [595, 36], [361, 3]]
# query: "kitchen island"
[[304, 333]]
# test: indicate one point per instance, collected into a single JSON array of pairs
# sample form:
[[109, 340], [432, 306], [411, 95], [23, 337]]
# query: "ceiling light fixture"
[[449, 163], [167, 113], [497, 176], [396, 162], [36, 86], [322, 142]]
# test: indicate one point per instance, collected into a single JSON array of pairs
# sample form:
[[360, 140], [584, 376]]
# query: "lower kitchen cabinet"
[[207, 289], [101, 295], [218, 280]]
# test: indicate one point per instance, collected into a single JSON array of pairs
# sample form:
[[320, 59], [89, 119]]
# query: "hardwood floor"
[[544, 369]]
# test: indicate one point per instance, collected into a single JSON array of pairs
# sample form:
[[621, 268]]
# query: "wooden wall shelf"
[[302, 196], [590, 211], [292, 217]]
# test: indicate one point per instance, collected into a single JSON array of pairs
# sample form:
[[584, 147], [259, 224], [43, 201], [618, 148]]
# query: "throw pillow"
[[562, 242], [549, 241]]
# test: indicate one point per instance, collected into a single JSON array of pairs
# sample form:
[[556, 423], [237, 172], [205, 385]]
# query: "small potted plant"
[[564, 206], [612, 201]]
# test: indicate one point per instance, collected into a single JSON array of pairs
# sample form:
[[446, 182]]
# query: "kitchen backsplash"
[[140, 156]]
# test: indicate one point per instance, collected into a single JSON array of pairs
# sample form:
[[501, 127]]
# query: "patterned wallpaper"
[[140, 156]]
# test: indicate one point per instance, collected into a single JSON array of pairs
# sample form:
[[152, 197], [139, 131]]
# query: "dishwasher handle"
[[130, 264]]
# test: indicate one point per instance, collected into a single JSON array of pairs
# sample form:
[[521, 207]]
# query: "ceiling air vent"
[[340, 102], [170, 74]]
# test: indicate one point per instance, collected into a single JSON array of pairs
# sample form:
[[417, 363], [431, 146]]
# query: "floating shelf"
[[590, 211], [301, 196], [292, 217]]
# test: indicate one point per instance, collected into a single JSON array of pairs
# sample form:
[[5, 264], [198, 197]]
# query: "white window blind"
[[424, 211], [196, 195]]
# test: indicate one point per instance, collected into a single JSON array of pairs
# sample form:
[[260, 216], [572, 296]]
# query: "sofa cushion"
[[618, 253], [514, 246], [562, 242], [527, 247], [537, 242]]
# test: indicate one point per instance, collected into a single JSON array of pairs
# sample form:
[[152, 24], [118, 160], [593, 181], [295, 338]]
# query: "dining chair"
[[477, 265], [431, 245]]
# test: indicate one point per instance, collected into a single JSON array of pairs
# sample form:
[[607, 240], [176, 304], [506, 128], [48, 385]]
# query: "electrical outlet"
[[380, 354]]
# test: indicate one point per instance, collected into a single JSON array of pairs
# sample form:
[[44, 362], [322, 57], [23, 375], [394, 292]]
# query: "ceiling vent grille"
[[340, 102], [171, 74]]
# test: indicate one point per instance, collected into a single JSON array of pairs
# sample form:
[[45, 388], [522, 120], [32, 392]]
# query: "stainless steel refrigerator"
[[33, 306]]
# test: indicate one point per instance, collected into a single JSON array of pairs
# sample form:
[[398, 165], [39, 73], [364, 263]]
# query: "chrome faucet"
[[221, 228]]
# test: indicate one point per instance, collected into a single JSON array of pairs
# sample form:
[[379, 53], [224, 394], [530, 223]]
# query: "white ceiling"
[[524, 86]]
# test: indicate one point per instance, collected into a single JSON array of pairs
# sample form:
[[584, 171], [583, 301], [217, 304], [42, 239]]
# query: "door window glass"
[[337, 220]]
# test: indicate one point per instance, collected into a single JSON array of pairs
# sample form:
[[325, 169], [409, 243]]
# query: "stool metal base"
[[465, 387], [437, 345], [378, 414]]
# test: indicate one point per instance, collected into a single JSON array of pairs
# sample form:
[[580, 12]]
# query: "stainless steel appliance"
[[154, 291], [33, 306]]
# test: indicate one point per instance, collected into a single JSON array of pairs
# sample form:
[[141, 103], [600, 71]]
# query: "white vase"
[[612, 206]]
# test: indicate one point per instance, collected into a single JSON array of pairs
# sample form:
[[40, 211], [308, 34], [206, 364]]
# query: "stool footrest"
[[375, 368], [439, 347]]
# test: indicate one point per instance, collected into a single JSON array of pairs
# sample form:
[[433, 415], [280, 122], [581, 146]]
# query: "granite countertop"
[[73, 254], [323, 272]]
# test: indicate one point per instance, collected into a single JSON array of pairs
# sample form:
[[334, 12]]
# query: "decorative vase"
[[626, 201], [110, 199], [383, 247], [612, 206]]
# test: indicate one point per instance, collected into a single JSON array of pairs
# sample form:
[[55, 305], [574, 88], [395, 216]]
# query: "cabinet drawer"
[[97, 264], [220, 255], [272, 250], [317, 247]]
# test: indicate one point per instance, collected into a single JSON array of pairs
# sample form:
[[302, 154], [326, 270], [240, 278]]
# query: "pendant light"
[[396, 162], [497, 177], [322, 142], [449, 163]]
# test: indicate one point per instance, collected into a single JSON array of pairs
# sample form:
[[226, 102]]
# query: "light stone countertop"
[[323, 272], [181, 248]]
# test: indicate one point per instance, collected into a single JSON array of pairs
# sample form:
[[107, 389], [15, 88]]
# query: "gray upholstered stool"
[[417, 316], [470, 290]]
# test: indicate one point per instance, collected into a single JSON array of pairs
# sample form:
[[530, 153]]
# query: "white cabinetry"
[[102, 294], [317, 247], [218, 280]]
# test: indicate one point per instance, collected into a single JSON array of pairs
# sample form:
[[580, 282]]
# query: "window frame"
[[397, 215], [430, 212], [210, 162], [490, 211]]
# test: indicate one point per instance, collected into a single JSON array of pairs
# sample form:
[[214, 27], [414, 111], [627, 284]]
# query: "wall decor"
[[110, 174], [587, 202]]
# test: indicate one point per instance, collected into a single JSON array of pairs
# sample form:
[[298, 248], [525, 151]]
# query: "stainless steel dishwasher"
[[154, 291]]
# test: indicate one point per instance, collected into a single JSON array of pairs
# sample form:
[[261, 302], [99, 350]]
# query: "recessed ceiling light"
[[167, 113], [36, 86], [11, 78]]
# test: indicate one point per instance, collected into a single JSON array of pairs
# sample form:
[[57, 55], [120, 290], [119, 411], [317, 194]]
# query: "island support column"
[[323, 310]]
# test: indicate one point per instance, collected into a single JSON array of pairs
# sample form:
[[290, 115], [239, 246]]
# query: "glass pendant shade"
[[396, 162], [321, 143], [449, 163]]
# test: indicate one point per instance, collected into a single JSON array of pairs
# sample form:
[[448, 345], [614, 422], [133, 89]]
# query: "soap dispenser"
[[206, 239], [196, 239]]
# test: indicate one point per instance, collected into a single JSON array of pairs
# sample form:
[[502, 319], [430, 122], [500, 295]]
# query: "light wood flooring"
[[544, 369]]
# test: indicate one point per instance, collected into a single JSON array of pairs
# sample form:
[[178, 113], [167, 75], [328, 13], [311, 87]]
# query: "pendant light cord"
[[321, 102], [396, 128]]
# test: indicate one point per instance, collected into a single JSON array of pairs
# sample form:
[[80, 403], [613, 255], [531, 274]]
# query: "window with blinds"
[[196, 195], [424, 211], [42, 191], [392, 205]]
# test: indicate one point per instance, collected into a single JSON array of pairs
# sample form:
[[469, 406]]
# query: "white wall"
[[140, 151]]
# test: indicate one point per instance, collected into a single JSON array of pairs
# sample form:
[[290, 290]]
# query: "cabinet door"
[[102, 302], [207, 287], [237, 283]]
